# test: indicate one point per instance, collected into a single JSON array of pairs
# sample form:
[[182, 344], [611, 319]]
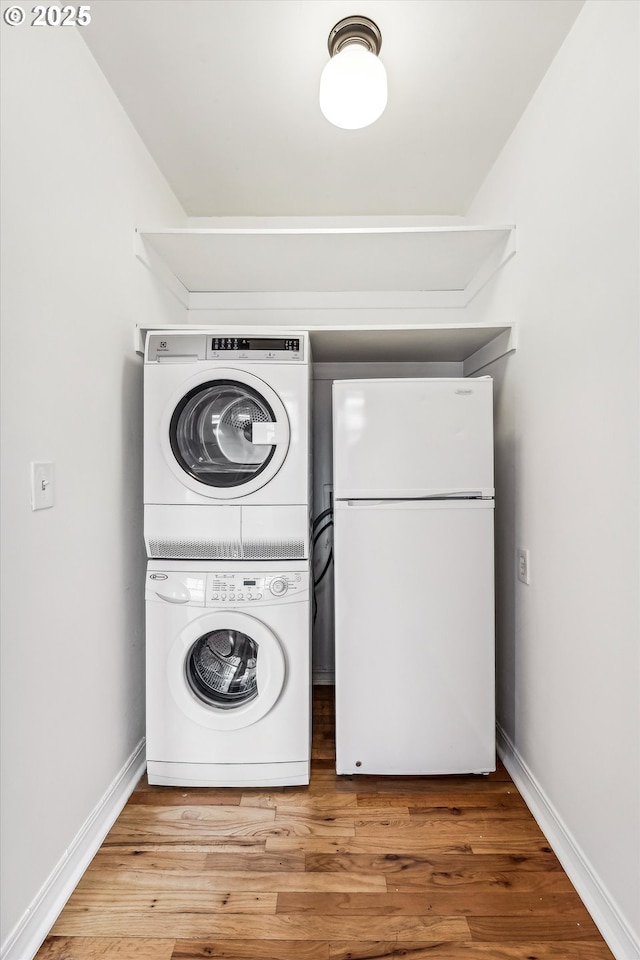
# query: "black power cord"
[[326, 515]]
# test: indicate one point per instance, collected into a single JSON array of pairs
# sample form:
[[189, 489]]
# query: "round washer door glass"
[[226, 670], [213, 434], [221, 669]]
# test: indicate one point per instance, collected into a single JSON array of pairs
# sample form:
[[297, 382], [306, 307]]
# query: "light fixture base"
[[355, 29]]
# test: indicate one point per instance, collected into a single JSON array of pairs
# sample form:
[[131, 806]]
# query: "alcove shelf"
[[472, 345], [453, 259], [374, 291]]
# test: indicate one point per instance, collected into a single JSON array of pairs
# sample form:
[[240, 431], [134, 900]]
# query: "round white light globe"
[[353, 88]]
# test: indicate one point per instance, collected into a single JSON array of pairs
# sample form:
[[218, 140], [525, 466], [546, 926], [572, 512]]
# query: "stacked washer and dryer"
[[226, 524]]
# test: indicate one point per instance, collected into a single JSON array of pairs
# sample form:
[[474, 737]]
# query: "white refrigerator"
[[414, 576]]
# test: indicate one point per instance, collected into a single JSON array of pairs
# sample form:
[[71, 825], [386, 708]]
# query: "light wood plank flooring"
[[438, 868]]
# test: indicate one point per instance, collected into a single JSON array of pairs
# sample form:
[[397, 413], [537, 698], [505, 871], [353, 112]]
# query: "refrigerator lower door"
[[414, 591]]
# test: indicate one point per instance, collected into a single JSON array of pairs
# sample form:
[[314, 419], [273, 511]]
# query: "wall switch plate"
[[523, 566], [42, 485]]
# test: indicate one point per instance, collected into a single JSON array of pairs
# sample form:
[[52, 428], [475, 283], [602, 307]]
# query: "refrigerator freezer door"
[[414, 637], [412, 438]]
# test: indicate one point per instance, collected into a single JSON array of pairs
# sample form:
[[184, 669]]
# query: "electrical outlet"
[[523, 566]]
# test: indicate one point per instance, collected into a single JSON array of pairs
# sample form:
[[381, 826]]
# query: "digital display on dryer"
[[255, 343]]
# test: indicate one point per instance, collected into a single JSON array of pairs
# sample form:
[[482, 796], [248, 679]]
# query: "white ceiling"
[[225, 95]]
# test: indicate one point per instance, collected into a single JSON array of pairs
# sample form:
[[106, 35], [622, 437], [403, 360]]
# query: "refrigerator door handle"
[[412, 501], [459, 503], [420, 496]]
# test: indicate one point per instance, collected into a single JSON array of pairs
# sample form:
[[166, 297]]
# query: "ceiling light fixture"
[[353, 85]]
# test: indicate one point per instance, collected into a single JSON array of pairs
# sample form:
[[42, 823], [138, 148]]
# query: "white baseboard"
[[612, 925], [25, 939]]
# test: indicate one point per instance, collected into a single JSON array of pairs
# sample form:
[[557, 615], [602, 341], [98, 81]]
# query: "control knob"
[[278, 587]]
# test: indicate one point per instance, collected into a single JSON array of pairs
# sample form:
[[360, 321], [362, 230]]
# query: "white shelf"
[[473, 345], [328, 259], [402, 344], [364, 291]]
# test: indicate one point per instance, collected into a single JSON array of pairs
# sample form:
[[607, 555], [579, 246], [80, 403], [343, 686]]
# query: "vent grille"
[[187, 549], [195, 549], [273, 550]]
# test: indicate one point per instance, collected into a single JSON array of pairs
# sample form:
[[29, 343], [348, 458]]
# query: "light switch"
[[42, 485]]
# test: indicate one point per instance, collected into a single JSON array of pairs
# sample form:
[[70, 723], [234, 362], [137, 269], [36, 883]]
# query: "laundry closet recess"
[[380, 297]]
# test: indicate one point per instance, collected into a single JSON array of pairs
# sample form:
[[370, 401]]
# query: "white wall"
[[568, 439], [76, 181]]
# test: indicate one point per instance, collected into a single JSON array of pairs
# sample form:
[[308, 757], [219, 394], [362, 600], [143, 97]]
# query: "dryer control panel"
[[255, 348], [224, 345], [226, 589]]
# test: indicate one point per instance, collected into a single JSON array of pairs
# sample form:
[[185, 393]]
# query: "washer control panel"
[[232, 588], [244, 588]]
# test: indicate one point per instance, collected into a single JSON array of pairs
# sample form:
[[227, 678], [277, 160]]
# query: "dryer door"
[[226, 435], [226, 670]]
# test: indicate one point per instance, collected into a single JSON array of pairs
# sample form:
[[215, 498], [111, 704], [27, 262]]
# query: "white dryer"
[[228, 674], [226, 444]]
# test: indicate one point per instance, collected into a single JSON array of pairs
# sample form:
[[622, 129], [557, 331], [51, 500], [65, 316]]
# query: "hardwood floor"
[[439, 868]]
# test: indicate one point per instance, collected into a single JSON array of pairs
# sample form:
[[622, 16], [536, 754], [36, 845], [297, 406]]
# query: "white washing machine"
[[228, 673], [226, 444]]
